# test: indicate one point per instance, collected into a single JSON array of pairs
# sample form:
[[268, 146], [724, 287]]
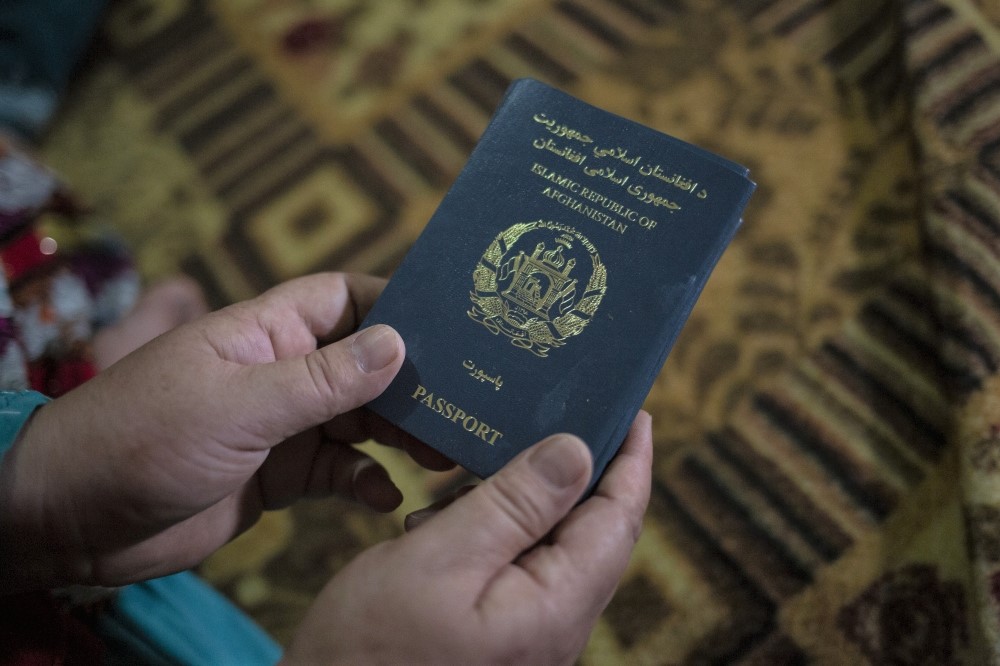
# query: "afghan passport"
[[547, 289]]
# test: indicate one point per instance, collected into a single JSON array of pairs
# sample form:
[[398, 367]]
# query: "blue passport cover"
[[547, 289]]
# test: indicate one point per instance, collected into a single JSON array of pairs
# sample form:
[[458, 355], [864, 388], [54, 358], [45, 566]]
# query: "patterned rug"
[[827, 476]]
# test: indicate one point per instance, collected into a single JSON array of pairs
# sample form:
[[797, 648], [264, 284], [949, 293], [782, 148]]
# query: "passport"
[[545, 292]]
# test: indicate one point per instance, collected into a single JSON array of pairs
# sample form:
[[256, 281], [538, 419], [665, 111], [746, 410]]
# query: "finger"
[[182, 545], [360, 425], [515, 508], [597, 538], [314, 469], [352, 474], [363, 291], [331, 305], [417, 518], [372, 486], [289, 396], [628, 479], [285, 475]]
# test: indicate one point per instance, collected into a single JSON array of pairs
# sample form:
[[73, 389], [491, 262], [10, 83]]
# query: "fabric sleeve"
[[16, 407]]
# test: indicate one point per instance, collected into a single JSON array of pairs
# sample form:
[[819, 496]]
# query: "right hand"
[[511, 572]]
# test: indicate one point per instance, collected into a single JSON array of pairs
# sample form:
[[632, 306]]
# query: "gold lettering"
[[557, 179], [588, 211], [456, 415]]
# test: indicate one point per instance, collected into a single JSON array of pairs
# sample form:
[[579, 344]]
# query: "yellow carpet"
[[828, 426]]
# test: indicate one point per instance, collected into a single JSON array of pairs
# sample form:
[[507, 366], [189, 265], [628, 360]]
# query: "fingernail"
[[372, 486], [559, 461], [375, 348], [417, 518]]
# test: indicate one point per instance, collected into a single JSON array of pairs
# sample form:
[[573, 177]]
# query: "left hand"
[[164, 457], [513, 572]]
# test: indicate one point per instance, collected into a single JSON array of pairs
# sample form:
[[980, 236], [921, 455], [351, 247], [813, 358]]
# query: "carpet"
[[827, 428]]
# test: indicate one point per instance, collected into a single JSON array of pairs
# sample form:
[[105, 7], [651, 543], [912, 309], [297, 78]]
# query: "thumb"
[[305, 391], [515, 508]]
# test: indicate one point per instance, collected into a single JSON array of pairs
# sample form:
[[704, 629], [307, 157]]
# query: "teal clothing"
[[41, 43], [170, 621], [181, 620], [15, 409], [173, 620]]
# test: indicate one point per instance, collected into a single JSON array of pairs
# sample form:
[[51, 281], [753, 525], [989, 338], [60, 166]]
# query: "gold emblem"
[[531, 285]]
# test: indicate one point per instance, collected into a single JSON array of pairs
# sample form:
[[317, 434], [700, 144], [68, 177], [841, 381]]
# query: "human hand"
[[479, 582], [156, 462]]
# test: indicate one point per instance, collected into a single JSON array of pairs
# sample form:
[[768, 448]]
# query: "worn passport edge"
[[607, 445], [612, 444]]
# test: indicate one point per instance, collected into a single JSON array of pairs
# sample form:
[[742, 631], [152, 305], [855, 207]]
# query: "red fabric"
[[56, 377], [23, 255], [35, 628], [35, 631]]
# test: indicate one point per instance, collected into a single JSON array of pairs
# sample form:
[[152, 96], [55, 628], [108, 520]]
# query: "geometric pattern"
[[826, 426]]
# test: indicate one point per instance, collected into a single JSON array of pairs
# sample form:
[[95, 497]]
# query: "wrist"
[[29, 557]]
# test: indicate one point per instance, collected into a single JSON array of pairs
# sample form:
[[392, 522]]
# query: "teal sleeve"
[[41, 44], [16, 407], [175, 620], [180, 619]]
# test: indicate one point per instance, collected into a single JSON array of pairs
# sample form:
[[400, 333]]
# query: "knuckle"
[[626, 524], [526, 511], [326, 383], [631, 522]]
